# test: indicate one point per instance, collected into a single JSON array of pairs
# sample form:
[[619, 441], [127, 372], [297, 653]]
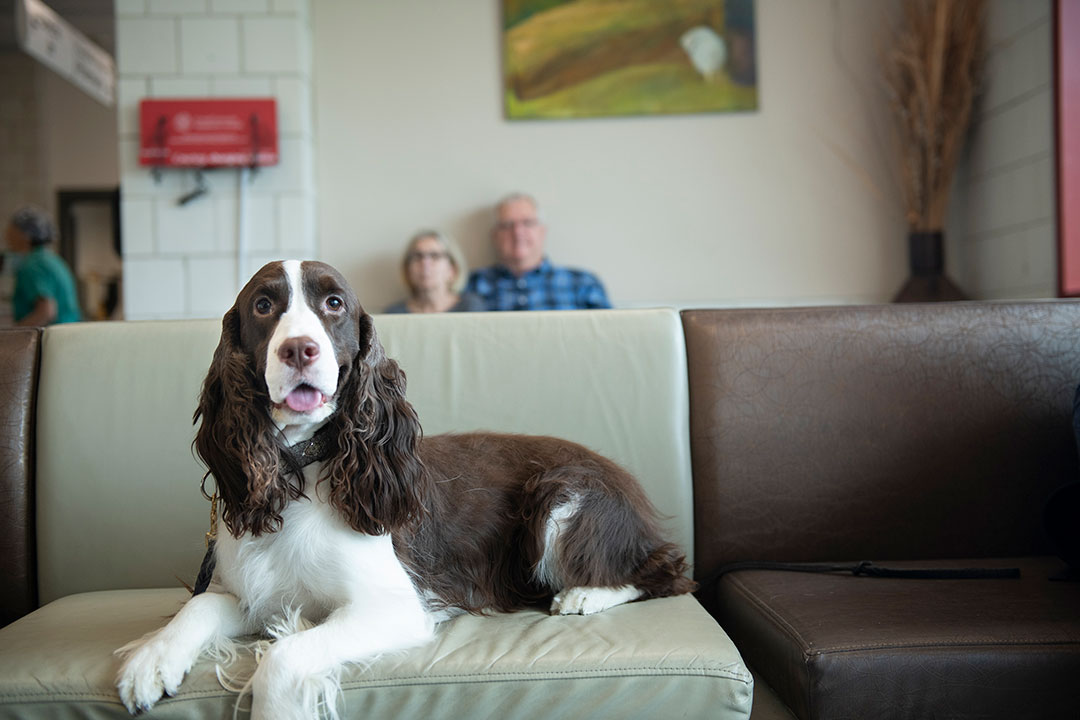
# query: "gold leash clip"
[[211, 536]]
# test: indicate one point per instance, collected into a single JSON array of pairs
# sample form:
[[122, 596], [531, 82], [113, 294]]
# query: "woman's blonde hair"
[[453, 253]]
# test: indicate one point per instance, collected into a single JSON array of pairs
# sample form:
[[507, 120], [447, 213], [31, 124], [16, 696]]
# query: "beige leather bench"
[[120, 520]]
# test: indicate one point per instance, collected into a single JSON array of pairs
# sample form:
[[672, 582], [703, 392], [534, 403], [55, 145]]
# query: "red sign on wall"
[[208, 133]]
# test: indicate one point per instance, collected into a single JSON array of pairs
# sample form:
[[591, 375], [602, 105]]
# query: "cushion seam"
[[413, 681], [467, 678]]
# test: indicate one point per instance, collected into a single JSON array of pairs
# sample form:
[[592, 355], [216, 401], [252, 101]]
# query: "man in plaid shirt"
[[524, 279]]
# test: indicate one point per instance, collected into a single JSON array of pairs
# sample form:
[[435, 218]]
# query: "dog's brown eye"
[[334, 303], [263, 306]]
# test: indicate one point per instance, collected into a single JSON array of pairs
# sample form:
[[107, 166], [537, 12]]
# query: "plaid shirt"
[[545, 288]]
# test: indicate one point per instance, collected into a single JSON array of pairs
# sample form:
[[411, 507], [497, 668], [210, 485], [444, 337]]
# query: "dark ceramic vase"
[[928, 282]]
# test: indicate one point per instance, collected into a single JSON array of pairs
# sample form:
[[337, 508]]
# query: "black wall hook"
[[201, 189]]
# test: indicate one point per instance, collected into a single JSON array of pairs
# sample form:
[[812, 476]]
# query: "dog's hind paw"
[[589, 600]]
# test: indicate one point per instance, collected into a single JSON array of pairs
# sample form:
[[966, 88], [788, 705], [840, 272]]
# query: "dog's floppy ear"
[[377, 479], [237, 439]]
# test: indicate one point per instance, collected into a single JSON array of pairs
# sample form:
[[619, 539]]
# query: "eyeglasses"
[[509, 224], [417, 256]]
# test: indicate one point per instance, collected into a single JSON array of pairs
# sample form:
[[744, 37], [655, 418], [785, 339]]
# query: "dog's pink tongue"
[[303, 399]]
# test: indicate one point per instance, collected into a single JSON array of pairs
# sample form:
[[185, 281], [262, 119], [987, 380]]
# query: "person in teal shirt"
[[44, 286]]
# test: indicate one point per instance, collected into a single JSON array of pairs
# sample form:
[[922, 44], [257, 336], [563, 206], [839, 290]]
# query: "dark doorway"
[[90, 243]]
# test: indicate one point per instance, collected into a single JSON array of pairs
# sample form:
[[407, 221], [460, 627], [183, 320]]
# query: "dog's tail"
[[664, 573]]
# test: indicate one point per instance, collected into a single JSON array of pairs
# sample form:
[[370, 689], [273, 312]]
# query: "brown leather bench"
[[911, 436], [19, 353]]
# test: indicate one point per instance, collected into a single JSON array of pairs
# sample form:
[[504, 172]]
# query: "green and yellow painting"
[[593, 58]]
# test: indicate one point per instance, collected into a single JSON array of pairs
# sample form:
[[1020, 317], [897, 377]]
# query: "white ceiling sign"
[[52, 40]]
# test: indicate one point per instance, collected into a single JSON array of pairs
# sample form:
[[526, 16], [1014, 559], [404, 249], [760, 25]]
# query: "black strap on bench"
[[869, 569]]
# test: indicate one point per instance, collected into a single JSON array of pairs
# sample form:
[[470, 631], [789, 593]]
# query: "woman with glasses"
[[434, 271]]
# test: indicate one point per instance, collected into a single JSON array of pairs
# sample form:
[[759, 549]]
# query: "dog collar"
[[314, 449]]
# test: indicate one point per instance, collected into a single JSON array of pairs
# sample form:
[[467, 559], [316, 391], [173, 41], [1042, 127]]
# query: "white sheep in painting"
[[706, 50]]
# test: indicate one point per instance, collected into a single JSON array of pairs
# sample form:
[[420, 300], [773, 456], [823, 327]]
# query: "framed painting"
[[597, 58]]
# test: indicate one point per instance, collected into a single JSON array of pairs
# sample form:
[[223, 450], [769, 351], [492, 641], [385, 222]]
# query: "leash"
[[870, 570], [206, 569]]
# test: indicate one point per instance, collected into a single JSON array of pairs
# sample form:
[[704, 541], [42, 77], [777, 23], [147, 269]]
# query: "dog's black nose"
[[298, 352]]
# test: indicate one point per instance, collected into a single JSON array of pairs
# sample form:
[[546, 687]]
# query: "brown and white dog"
[[384, 536]]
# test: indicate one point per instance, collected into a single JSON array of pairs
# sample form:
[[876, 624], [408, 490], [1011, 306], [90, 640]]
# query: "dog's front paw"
[[152, 667], [284, 688]]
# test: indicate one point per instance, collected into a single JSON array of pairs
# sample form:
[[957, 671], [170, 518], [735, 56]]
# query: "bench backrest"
[[118, 502], [879, 432], [18, 392]]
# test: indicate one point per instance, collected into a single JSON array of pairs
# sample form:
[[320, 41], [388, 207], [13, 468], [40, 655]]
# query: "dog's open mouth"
[[304, 399]]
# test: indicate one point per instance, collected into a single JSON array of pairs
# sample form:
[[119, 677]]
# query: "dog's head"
[[297, 352]]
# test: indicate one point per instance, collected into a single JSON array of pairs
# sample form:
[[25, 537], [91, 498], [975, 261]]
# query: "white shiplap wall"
[[1007, 188]]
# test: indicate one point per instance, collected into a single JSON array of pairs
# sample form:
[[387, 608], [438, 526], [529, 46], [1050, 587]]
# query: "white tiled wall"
[[181, 261], [210, 45], [1006, 186]]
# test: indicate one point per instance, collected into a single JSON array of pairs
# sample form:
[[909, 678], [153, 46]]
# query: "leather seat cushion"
[[653, 659], [839, 646]]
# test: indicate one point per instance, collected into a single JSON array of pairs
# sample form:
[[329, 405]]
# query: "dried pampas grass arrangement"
[[933, 69]]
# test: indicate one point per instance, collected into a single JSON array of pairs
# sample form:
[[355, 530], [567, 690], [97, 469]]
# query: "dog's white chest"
[[316, 561]]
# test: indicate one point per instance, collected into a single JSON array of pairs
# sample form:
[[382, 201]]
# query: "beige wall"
[[78, 137], [22, 177], [789, 204], [55, 137]]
